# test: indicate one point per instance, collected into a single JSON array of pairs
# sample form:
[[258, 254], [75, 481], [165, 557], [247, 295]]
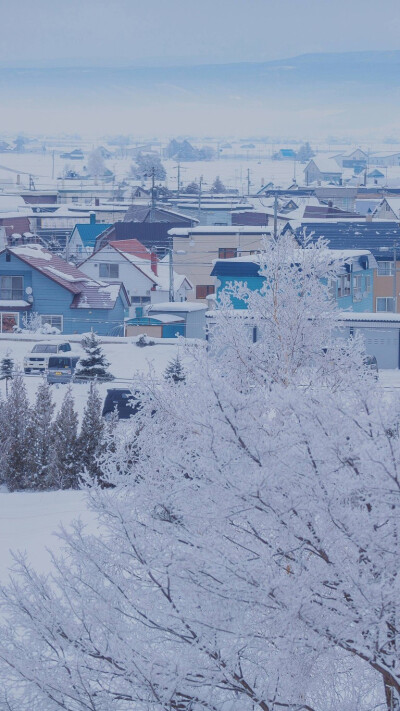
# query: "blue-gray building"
[[353, 289], [33, 280]]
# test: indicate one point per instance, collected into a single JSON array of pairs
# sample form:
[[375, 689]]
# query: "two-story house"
[[352, 290], [145, 277], [33, 280]]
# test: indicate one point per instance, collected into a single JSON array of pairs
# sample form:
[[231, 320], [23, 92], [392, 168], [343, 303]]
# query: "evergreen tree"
[[65, 464], [305, 153], [192, 188], [95, 365], [91, 438], [218, 186], [175, 371], [7, 369], [41, 438], [16, 437]]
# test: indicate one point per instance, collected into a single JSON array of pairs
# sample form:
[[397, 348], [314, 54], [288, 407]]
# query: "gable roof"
[[87, 292], [324, 164], [141, 213], [132, 246], [51, 265], [88, 232]]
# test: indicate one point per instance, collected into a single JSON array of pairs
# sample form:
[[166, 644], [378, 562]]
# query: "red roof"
[[131, 246], [52, 266]]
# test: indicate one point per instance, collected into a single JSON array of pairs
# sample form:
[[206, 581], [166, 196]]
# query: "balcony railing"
[[11, 294]]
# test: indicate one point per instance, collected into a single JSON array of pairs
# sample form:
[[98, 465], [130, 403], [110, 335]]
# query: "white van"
[[39, 356]]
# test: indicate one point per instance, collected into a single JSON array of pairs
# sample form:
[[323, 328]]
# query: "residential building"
[[145, 277], [322, 169], [169, 320], [195, 249], [380, 238], [353, 288], [82, 241], [33, 280], [352, 159], [385, 158]]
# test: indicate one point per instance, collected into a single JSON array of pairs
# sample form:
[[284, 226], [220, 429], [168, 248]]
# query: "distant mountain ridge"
[[354, 88]]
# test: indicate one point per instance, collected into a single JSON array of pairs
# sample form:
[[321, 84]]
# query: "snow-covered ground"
[[28, 520], [127, 361]]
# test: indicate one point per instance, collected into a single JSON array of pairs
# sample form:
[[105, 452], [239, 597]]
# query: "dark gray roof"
[[377, 237]]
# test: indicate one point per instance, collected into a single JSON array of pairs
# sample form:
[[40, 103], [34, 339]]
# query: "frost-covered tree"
[[95, 364], [7, 369], [65, 464], [147, 165], [16, 452], [175, 370], [91, 437], [96, 163], [40, 434], [248, 555]]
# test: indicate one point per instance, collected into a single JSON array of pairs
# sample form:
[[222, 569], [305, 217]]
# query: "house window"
[[7, 322], [227, 252], [344, 286], [367, 284], [138, 300], [11, 287], [384, 303], [203, 290], [52, 320], [357, 288], [385, 268], [109, 271]]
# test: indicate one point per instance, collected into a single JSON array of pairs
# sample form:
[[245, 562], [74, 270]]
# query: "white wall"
[[136, 283]]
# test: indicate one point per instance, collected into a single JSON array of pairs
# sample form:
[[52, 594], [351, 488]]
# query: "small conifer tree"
[[16, 455], [95, 365], [41, 438], [7, 369], [175, 371], [91, 437], [65, 464]]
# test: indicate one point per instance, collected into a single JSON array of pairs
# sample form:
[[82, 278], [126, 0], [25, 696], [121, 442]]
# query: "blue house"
[[353, 289], [33, 280], [83, 238]]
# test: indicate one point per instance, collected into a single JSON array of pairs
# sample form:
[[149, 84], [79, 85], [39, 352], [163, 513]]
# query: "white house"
[[146, 279]]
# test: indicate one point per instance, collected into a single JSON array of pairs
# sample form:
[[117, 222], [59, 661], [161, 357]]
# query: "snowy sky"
[[159, 32]]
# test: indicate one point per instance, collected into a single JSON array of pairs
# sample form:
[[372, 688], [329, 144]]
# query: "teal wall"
[[254, 283]]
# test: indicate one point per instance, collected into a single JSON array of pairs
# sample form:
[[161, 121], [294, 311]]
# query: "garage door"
[[383, 344]]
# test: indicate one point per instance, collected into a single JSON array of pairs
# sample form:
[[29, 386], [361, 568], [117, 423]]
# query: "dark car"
[[123, 400]]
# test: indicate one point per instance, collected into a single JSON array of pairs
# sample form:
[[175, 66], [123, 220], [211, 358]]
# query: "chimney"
[[154, 260], [92, 216], [18, 179], [97, 202]]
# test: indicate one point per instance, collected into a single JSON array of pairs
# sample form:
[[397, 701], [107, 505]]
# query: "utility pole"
[[394, 277], [199, 203], [275, 217], [52, 169], [248, 181], [179, 178], [171, 270], [153, 201]]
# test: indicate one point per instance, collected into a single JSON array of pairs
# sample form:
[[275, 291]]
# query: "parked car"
[[39, 356], [61, 368], [123, 400]]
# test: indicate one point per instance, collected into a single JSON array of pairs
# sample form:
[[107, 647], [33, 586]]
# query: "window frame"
[[387, 272], [50, 323], [8, 313], [13, 290], [227, 249], [386, 299], [209, 289], [115, 265]]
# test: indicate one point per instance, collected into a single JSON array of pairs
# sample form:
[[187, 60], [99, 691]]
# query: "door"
[[383, 343]]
